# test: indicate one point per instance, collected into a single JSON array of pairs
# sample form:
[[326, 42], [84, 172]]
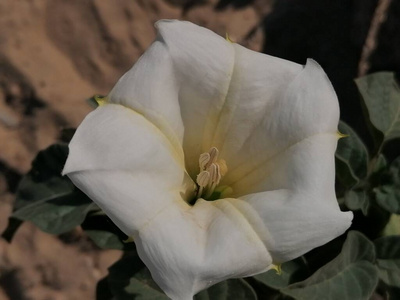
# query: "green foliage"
[[388, 193], [351, 275], [105, 234], [382, 98], [46, 198], [393, 226], [351, 157], [130, 279], [388, 259], [55, 205], [290, 272], [356, 200], [230, 289]]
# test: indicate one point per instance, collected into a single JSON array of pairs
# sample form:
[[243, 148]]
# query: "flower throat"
[[212, 170]]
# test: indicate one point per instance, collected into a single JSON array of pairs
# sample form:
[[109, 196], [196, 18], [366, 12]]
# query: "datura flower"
[[218, 161]]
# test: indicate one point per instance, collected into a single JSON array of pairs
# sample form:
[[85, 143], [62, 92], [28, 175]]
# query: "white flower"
[[200, 117]]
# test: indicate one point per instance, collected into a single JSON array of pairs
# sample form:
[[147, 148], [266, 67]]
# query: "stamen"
[[203, 160], [215, 173], [203, 178], [211, 172], [213, 156]]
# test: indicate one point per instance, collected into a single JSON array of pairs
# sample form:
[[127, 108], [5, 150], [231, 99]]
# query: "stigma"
[[212, 170]]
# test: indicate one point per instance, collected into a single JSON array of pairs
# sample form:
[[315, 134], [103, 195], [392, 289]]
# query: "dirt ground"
[[54, 54]]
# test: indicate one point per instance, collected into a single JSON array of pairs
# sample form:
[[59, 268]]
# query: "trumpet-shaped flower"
[[200, 118]]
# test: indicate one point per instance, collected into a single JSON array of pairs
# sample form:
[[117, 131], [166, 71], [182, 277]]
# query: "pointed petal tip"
[[163, 23], [341, 135], [169, 27], [66, 168]]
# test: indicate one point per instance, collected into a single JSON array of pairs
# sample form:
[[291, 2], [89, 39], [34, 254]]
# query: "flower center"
[[211, 171]]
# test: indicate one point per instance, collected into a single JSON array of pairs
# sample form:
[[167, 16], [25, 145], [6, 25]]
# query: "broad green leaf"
[[105, 233], [388, 194], [388, 197], [381, 95], [46, 198], [379, 167], [393, 226], [388, 259], [129, 279], [351, 157], [290, 272], [380, 164], [237, 289], [351, 275], [356, 200]]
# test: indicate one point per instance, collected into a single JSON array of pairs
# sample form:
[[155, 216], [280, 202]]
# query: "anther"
[[203, 178], [211, 172], [213, 156], [203, 160]]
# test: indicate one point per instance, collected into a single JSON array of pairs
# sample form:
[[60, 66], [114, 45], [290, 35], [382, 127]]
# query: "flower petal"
[[265, 116], [180, 85], [115, 138], [189, 251], [151, 89], [297, 222], [123, 163], [297, 200], [186, 249], [307, 166]]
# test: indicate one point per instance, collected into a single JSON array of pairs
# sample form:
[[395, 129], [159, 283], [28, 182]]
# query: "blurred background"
[[54, 54]]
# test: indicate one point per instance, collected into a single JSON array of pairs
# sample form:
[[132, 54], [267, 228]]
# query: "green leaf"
[[105, 233], [351, 275], [356, 200], [382, 98], [388, 194], [237, 289], [393, 226], [129, 279], [48, 199], [388, 197], [378, 169], [380, 164], [290, 272], [388, 259], [351, 157]]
